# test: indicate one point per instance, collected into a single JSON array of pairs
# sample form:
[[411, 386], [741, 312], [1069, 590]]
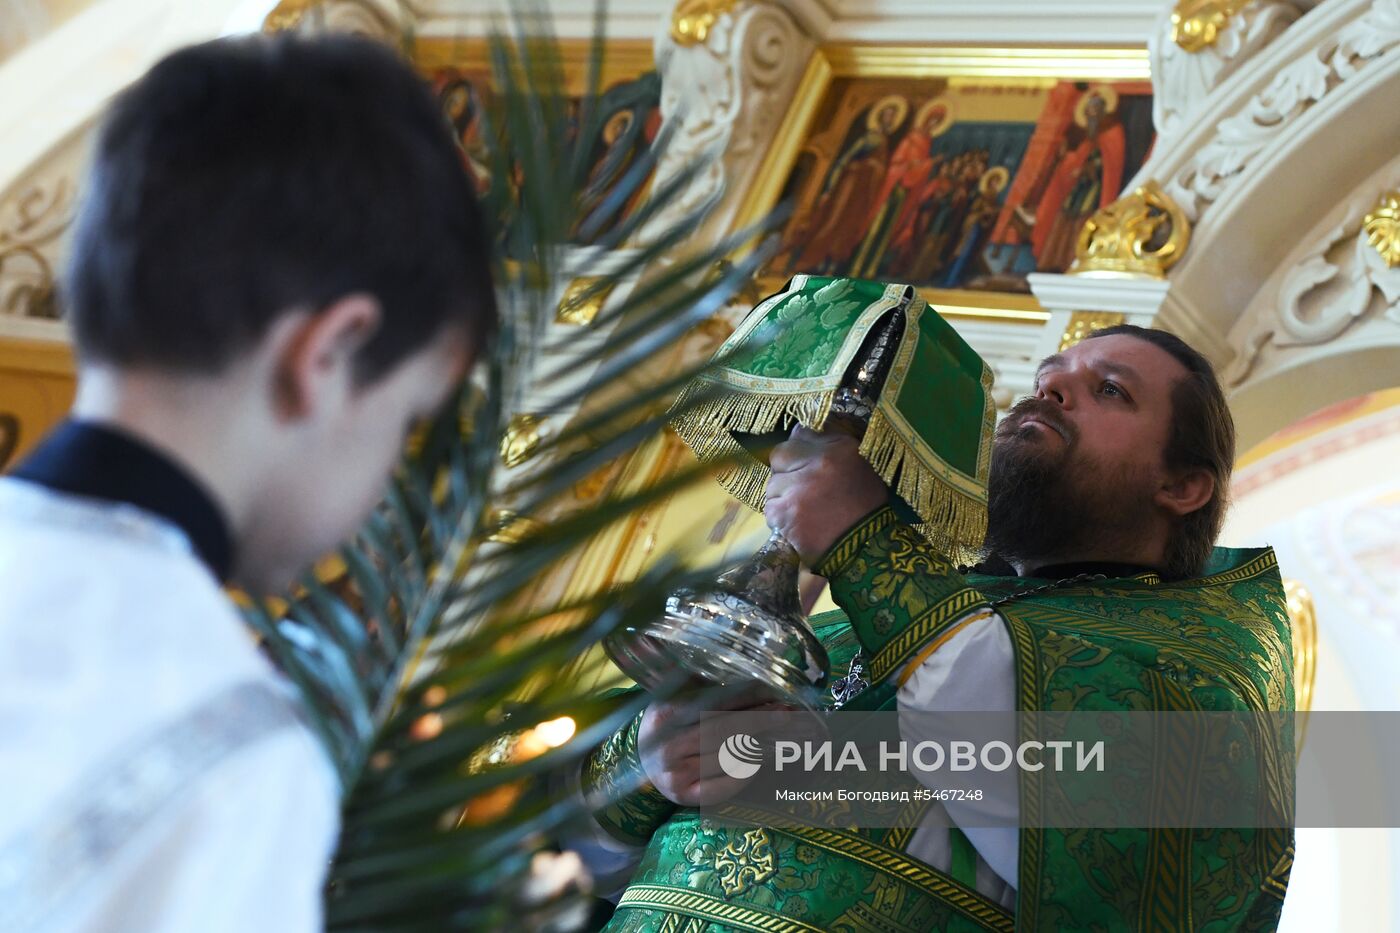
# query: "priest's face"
[[1076, 466]]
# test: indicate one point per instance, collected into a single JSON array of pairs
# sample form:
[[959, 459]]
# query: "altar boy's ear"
[[314, 355]]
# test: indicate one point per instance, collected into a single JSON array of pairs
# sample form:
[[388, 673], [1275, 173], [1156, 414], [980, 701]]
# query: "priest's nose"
[[1054, 387]]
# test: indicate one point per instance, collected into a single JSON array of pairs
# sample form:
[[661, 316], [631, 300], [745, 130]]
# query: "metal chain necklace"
[[854, 683]]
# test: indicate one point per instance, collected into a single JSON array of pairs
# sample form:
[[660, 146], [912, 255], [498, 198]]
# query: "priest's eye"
[[1113, 390]]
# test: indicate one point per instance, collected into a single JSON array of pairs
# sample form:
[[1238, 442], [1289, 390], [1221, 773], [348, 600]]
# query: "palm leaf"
[[422, 661]]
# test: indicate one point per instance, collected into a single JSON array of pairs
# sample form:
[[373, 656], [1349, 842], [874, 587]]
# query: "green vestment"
[[1219, 643]]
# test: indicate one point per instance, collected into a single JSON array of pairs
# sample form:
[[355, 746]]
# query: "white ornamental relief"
[[1182, 80], [35, 214], [721, 101], [1341, 281], [1296, 87]]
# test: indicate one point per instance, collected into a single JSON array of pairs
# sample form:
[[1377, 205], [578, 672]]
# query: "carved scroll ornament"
[[1342, 280], [721, 98], [32, 223], [1272, 113]]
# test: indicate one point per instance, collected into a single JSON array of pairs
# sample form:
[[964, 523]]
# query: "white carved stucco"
[[1328, 317], [1304, 73], [1182, 80], [35, 212], [722, 100]]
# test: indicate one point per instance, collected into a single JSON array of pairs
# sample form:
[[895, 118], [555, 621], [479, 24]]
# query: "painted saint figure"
[[977, 222], [843, 209], [1087, 179], [891, 235]]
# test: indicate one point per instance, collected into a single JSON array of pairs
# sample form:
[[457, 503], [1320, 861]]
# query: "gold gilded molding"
[[693, 19], [1382, 227], [1083, 323], [353, 16], [1196, 24], [1141, 235], [9, 437], [37, 386], [577, 306], [510, 527], [914, 61], [1302, 614], [623, 59], [521, 440], [288, 15]]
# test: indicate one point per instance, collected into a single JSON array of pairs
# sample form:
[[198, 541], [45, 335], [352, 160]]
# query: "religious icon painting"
[[625, 123], [952, 172]]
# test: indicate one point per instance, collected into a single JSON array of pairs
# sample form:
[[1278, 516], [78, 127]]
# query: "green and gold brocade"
[[1221, 642], [614, 772], [930, 433]]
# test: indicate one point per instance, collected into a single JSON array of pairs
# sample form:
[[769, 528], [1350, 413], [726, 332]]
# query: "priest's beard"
[[1049, 502]]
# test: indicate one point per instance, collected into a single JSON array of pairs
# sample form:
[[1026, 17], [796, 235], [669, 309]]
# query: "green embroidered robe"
[[1219, 643]]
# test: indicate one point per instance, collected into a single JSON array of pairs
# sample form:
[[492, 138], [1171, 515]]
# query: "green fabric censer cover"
[[929, 436]]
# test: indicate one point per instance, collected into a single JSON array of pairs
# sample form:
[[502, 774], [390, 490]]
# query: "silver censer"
[[749, 626]]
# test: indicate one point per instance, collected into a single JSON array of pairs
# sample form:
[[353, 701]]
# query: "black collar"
[[81, 458], [996, 567]]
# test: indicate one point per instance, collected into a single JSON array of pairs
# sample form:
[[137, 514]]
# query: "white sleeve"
[[973, 671], [247, 848]]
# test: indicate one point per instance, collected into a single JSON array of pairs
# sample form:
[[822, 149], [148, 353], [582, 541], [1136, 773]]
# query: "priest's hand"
[[821, 487], [678, 741]]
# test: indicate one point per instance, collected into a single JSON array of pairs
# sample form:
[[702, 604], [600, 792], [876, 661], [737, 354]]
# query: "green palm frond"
[[424, 660]]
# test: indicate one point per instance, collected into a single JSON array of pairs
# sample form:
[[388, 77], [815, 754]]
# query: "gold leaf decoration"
[[1302, 615], [1382, 227], [521, 439], [1141, 235], [511, 527], [578, 306], [288, 15], [1196, 24], [693, 19]]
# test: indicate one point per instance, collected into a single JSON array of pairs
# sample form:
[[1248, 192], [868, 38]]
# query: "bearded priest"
[[1107, 488]]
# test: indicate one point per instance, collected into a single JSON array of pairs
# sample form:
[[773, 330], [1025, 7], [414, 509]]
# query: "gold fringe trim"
[[954, 521], [706, 428]]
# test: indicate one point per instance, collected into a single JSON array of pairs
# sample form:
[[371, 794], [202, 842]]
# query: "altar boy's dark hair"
[[243, 179]]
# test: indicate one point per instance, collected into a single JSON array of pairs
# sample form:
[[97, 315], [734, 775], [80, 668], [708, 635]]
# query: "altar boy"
[[278, 266]]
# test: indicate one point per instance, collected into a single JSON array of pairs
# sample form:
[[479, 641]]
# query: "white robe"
[[153, 773]]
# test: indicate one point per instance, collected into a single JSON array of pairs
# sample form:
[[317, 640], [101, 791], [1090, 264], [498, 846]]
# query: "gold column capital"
[[1382, 227], [1141, 235]]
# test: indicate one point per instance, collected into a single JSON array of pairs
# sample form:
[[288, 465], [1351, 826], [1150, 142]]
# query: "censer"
[[869, 359]]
